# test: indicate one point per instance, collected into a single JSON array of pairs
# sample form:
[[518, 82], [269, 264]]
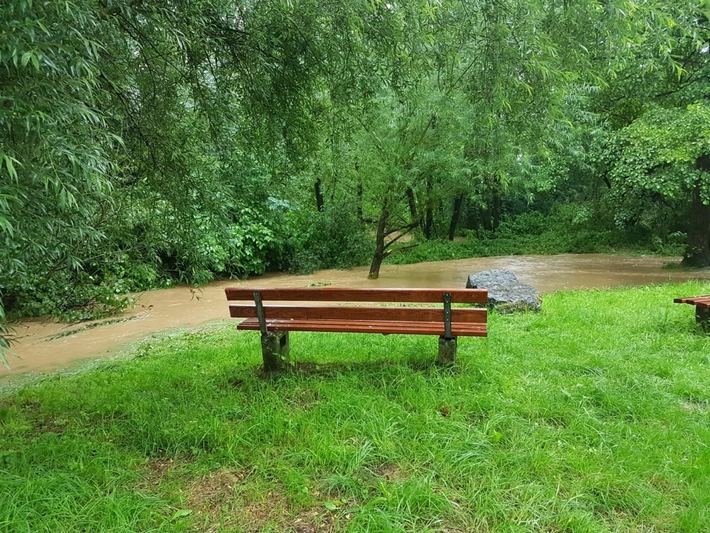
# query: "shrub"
[[332, 238]]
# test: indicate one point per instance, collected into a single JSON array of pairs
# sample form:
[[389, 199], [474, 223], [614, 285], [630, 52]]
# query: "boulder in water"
[[505, 292]]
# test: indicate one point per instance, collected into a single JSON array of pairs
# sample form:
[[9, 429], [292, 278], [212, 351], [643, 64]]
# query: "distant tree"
[[54, 184], [667, 152], [411, 159], [127, 134], [655, 112], [482, 84]]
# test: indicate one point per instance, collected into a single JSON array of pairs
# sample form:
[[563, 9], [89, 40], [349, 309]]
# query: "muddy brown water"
[[43, 345]]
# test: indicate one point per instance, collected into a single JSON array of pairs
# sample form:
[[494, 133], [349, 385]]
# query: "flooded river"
[[43, 345]]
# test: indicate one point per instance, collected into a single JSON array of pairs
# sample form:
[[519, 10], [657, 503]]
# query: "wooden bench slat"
[[406, 314], [341, 294], [699, 301], [361, 326]]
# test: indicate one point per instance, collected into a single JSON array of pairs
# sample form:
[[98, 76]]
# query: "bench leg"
[[702, 317], [447, 351], [274, 348]]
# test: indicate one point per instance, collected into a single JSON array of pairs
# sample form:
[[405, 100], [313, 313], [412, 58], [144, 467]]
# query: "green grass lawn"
[[593, 415]]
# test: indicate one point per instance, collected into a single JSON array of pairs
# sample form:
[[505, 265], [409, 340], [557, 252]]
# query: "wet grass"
[[593, 415]]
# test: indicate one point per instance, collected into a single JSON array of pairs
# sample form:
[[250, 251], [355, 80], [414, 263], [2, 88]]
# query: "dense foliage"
[[148, 143]]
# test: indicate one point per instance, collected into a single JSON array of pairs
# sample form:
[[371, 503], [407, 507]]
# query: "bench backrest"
[[342, 294], [315, 295]]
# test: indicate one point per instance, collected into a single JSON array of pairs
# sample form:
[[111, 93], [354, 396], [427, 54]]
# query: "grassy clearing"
[[593, 415]]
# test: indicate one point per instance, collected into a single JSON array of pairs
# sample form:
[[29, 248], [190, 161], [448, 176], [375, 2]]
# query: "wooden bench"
[[310, 312], [702, 308]]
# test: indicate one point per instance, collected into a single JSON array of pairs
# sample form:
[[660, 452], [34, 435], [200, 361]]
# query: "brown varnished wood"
[[338, 294], [404, 314], [360, 318], [698, 301], [361, 326]]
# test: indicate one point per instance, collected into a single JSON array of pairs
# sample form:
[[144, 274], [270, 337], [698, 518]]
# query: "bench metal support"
[[260, 312], [447, 315], [275, 350], [447, 351]]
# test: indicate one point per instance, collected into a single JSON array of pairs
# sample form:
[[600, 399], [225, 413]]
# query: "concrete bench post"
[[275, 350], [447, 350]]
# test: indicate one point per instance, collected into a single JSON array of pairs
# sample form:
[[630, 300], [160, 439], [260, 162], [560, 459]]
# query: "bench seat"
[[698, 301], [385, 327], [702, 309]]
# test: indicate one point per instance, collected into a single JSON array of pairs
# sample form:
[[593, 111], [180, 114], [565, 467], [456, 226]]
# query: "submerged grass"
[[593, 415]]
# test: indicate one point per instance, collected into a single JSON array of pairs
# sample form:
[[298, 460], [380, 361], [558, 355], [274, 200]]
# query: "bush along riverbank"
[[593, 415], [534, 233]]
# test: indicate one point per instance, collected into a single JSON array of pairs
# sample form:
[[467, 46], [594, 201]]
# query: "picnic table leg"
[[702, 316], [275, 348], [447, 351]]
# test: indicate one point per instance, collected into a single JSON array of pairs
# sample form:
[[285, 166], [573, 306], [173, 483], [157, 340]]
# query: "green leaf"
[[6, 226], [180, 513], [333, 505], [9, 165]]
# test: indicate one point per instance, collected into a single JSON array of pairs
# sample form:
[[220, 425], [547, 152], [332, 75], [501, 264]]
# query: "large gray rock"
[[505, 292]]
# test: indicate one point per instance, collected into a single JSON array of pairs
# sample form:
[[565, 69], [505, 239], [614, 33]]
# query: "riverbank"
[[45, 345], [589, 416]]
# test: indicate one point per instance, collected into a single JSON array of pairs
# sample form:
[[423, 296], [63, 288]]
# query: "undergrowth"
[[534, 233], [593, 415]]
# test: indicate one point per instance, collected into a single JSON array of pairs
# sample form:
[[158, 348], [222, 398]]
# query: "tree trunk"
[[8, 302], [428, 223], [412, 201], [428, 220], [359, 201], [319, 194], [379, 246], [494, 208], [455, 216], [697, 253]]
